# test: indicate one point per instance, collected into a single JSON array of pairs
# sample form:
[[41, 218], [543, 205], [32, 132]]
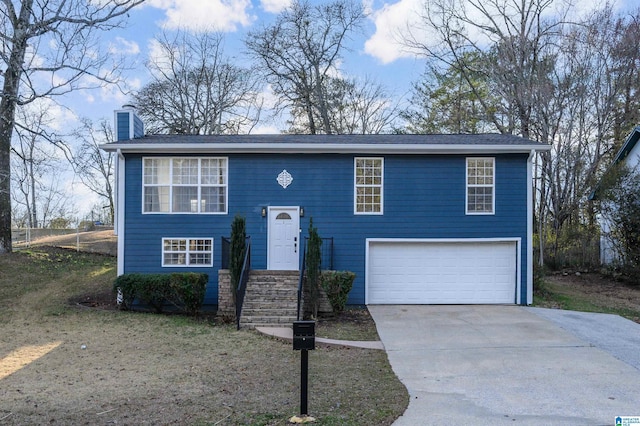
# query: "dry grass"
[[141, 369], [589, 292]]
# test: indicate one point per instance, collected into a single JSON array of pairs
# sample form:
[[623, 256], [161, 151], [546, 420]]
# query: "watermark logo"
[[628, 421]]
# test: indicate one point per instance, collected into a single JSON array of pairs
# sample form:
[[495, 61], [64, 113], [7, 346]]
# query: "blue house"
[[420, 219]]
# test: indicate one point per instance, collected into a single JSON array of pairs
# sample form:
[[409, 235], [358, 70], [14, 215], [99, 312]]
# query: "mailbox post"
[[304, 340]]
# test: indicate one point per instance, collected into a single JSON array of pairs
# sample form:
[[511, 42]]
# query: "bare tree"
[[48, 48], [196, 89], [93, 166], [593, 104], [354, 107], [567, 84], [34, 163], [516, 32], [361, 107], [300, 52]]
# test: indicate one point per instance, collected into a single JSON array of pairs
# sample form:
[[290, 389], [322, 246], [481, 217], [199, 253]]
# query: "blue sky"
[[382, 60], [375, 53]]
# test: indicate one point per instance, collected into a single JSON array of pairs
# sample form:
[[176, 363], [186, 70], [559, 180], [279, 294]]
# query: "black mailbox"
[[304, 335]]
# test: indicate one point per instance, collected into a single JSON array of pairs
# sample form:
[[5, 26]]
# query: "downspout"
[[530, 207], [119, 219]]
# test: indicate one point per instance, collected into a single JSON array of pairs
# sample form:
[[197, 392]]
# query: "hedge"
[[184, 291]]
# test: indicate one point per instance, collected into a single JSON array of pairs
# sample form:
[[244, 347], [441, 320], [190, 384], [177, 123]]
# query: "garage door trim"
[[516, 240]]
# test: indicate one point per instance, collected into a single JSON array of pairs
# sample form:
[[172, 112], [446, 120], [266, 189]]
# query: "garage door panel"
[[409, 272]]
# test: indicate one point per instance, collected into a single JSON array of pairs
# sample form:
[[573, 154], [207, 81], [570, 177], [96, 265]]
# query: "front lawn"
[[61, 363]]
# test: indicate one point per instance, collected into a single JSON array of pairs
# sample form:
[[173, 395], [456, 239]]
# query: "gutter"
[[120, 210], [530, 207], [315, 148]]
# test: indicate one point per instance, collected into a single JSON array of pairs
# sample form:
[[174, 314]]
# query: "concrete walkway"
[[492, 365], [287, 334]]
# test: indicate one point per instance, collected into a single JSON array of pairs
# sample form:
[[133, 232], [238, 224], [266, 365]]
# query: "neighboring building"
[[629, 156], [420, 219]]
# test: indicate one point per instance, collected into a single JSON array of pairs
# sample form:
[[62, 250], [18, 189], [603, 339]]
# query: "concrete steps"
[[271, 299]]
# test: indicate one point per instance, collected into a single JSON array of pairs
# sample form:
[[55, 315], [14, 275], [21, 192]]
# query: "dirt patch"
[[354, 323], [105, 300]]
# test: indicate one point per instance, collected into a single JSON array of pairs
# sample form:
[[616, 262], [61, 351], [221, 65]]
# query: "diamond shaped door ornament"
[[284, 179]]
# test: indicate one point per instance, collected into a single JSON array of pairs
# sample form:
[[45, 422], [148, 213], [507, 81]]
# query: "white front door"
[[283, 236]]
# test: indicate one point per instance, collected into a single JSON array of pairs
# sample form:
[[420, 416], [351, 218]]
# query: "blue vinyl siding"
[[424, 197], [122, 126], [138, 127]]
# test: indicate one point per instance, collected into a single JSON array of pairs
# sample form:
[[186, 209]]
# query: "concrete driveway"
[[488, 365]]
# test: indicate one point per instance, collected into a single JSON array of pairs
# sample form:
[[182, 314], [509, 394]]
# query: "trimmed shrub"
[[312, 266], [337, 285], [188, 290], [185, 291], [237, 251]]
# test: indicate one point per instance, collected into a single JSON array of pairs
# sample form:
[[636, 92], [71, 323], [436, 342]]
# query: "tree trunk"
[[7, 115], [32, 182]]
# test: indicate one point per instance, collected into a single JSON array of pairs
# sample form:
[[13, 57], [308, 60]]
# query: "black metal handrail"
[[242, 285], [301, 280], [225, 252], [326, 253]]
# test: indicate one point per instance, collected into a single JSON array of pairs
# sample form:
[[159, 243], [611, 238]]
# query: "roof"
[[628, 145], [621, 155], [378, 144]]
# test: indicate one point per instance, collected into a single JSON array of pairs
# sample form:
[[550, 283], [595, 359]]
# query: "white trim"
[[199, 185], [269, 210], [120, 210], [466, 188], [187, 253], [516, 240], [327, 148], [355, 187], [530, 208]]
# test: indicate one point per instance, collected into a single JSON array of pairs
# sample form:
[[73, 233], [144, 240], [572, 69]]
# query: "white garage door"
[[426, 272]]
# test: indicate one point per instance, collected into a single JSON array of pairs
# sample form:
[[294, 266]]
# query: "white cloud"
[[274, 6], [62, 119], [122, 46], [393, 20], [205, 15], [112, 94], [390, 21]]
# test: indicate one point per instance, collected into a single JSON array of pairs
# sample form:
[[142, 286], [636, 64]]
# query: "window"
[[184, 185], [368, 185], [480, 185], [187, 252]]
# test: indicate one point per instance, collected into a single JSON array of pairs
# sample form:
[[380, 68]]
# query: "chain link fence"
[[97, 238]]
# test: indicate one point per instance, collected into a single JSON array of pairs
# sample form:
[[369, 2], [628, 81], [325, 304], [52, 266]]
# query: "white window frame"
[[171, 185], [188, 252], [356, 186], [491, 185]]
